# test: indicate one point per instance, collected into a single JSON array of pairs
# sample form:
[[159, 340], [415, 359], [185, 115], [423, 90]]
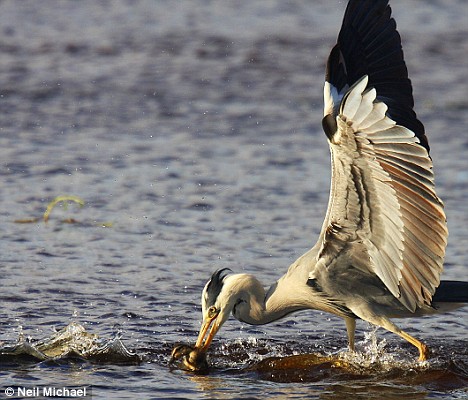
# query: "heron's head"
[[223, 294], [219, 298], [240, 294]]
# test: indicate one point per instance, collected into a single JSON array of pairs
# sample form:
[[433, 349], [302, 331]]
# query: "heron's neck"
[[258, 307]]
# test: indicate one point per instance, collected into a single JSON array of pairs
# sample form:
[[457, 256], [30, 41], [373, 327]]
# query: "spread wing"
[[383, 215]]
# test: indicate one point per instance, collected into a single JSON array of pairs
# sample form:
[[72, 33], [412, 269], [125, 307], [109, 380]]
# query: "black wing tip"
[[369, 44], [335, 72]]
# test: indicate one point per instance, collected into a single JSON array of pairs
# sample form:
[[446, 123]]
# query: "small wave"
[[71, 342]]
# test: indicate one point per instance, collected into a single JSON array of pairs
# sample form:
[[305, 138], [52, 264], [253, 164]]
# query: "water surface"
[[192, 131]]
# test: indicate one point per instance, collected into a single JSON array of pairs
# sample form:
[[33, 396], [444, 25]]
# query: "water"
[[192, 132]]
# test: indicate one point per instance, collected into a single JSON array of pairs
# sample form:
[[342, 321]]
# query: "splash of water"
[[73, 341], [371, 356]]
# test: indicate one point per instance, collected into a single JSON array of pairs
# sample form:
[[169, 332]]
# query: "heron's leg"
[[390, 326], [350, 328]]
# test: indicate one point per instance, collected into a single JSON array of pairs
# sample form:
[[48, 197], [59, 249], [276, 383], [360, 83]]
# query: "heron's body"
[[381, 249]]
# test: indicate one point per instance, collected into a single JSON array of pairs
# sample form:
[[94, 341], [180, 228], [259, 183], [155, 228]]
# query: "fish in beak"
[[193, 358], [189, 358]]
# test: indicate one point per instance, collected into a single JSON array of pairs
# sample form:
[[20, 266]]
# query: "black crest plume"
[[215, 285]]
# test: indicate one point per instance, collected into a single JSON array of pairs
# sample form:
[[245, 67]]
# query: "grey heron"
[[381, 249]]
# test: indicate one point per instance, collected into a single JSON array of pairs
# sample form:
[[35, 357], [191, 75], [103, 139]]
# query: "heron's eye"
[[212, 312]]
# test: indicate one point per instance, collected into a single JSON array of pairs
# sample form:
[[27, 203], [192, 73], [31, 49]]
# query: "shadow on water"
[[434, 375], [344, 375], [444, 372], [367, 371]]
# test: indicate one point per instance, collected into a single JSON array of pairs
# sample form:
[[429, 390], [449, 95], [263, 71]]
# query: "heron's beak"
[[209, 333]]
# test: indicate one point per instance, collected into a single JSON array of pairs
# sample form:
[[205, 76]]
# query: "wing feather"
[[353, 99], [383, 199], [366, 106], [377, 113]]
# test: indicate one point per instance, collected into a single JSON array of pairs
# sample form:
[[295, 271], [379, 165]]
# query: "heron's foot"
[[423, 352], [423, 349]]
